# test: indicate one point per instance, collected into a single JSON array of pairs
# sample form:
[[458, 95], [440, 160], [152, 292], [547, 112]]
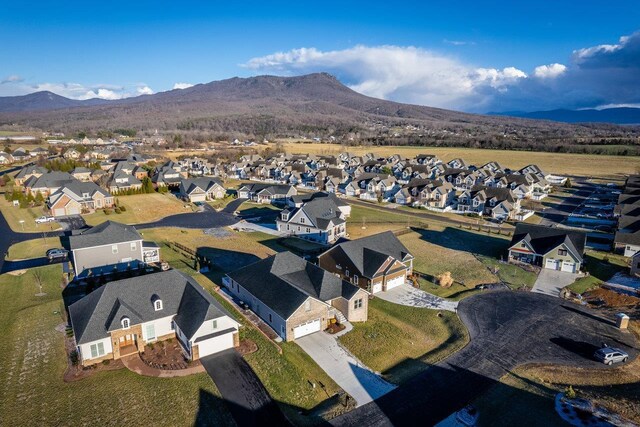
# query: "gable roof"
[[543, 239], [100, 312], [369, 253], [284, 281], [107, 233], [204, 183]]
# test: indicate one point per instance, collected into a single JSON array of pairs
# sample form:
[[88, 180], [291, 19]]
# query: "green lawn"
[[33, 248], [141, 208], [218, 204], [287, 377], [513, 275], [455, 250], [15, 214], [401, 341], [601, 267], [33, 359]]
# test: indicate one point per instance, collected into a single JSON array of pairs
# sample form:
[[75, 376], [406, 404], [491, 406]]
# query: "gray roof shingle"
[[100, 312], [107, 233]]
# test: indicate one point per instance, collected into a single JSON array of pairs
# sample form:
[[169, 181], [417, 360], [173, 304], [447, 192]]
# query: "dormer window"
[[125, 323], [157, 304]]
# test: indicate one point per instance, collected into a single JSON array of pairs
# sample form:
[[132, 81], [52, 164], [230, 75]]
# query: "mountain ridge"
[[317, 104], [616, 115]]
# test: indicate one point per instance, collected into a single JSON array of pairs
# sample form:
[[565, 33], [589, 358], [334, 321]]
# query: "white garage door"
[[215, 344], [551, 264], [395, 282], [198, 197], [73, 210], [377, 287], [306, 328], [59, 212], [569, 266]]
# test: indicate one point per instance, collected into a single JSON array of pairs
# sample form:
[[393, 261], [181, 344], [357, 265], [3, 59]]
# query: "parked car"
[[44, 219], [56, 254], [610, 355]]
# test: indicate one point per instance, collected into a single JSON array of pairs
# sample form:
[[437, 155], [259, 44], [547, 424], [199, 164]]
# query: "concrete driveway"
[[343, 367], [247, 399], [551, 282], [413, 297]]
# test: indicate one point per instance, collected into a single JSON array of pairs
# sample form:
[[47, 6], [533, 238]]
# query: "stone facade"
[[348, 309], [135, 330], [317, 309]]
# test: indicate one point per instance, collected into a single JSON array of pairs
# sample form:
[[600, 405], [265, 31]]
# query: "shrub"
[[75, 359], [123, 208], [570, 392], [117, 210], [106, 211], [106, 362], [445, 280]]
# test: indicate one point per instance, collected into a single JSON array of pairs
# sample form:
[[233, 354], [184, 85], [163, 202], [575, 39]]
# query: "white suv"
[[44, 219]]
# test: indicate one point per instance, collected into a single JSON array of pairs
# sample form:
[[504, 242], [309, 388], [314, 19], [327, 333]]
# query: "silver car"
[[611, 355]]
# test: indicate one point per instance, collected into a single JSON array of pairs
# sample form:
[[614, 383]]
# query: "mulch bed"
[[247, 346], [335, 328], [610, 298], [166, 355]]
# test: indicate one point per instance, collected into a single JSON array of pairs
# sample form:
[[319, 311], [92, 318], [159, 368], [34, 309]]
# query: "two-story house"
[[320, 220], [201, 189]]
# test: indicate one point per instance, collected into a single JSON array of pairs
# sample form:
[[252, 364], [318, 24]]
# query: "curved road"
[[507, 329]]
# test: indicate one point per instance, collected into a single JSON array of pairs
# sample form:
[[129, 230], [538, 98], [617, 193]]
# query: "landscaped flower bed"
[[166, 355]]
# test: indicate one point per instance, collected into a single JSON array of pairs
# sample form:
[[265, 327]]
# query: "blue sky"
[[486, 52]]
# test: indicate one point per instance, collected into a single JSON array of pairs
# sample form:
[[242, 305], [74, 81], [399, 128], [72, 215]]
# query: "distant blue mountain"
[[621, 116]]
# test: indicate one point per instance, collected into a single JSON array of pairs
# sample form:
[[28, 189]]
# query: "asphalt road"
[[233, 206], [247, 399], [499, 323], [554, 215]]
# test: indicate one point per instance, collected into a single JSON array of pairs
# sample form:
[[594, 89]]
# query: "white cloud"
[[458, 42], [14, 78], [182, 85], [144, 90], [406, 74], [550, 71], [607, 106]]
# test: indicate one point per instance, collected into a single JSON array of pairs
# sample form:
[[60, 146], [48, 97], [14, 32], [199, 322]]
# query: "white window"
[[357, 304], [133, 246], [355, 279], [307, 305], [157, 305], [301, 220], [346, 273], [97, 350], [114, 249], [125, 323], [214, 324], [150, 331]]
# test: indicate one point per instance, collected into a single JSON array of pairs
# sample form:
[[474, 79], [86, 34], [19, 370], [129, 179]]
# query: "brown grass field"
[[556, 163]]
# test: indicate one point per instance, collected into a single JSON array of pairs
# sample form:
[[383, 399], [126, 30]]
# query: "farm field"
[[556, 163]]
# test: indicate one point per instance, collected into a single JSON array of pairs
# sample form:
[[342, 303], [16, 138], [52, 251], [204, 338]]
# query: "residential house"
[[319, 220], [6, 158], [27, 172], [120, 181], [297, 201], [376, 263], [81, 174], [294, 297], [635, 264], [47, 183], [72, 154], [266, 193], [201, 189], [548, 247], [169, 175], [106, 248], [77, 197], [123, 316], [497, 203]]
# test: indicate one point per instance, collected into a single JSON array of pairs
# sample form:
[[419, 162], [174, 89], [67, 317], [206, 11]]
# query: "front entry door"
[[126, 340]]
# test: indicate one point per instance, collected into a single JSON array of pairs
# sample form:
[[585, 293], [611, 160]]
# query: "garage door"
[[395, 282], [551, 264], [73, 210], [306, 328], [377, 287], [215, 344], [569, 266], [198, 197], [59, 212]]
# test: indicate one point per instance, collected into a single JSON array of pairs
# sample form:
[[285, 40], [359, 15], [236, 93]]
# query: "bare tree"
[[37, 275]]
